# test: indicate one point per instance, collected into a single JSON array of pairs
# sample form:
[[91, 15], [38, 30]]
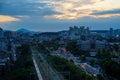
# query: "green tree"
[[111, 68], [23, 68], [75, 72]]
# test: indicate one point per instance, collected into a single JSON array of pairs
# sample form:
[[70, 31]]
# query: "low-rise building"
[[90, 69]]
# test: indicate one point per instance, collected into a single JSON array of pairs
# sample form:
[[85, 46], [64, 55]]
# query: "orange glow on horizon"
[[4, 18], [71, 9]]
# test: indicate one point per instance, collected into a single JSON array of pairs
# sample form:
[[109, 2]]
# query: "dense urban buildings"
[[80, 45], [59, 39]]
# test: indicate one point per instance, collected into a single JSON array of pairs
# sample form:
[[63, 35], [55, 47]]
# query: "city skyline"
[[54, 15]]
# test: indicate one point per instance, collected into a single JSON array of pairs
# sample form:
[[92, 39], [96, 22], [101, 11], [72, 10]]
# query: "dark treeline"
[[66, 66], [23, 69]]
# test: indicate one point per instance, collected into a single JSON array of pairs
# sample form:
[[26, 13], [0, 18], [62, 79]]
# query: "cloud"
[[74, 9], [25, 8], [115, 11], [59, 9], [71, 9], [7, 19], [107, 13]]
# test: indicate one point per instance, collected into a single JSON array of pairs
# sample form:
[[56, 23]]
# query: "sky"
[[57, 15]]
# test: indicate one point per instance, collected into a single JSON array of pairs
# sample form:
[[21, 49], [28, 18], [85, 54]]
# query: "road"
[[47, 72], [37, 69]]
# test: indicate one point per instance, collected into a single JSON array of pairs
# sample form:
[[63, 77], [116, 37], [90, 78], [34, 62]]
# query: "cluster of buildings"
[[79, 33], [92, 44], [8, 45], [11, 40], [96, 70], [62, 52], [89, 39], [86, 39], [75, 33], [111, 33]]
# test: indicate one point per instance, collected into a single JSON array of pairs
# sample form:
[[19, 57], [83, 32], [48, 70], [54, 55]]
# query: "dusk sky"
[[57, 15]]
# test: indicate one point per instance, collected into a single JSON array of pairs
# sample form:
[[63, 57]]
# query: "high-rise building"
[[111, 33], [1, 33]]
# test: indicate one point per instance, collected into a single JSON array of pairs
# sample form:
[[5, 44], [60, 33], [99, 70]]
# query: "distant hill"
[[22, 30]]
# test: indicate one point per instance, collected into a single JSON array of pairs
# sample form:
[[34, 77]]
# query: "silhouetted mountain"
[[22, 30]]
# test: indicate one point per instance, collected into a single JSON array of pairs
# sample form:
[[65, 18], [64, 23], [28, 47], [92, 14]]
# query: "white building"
[[90, 69], [76, 33], [117, 33], [101, 44], [92, 44]]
